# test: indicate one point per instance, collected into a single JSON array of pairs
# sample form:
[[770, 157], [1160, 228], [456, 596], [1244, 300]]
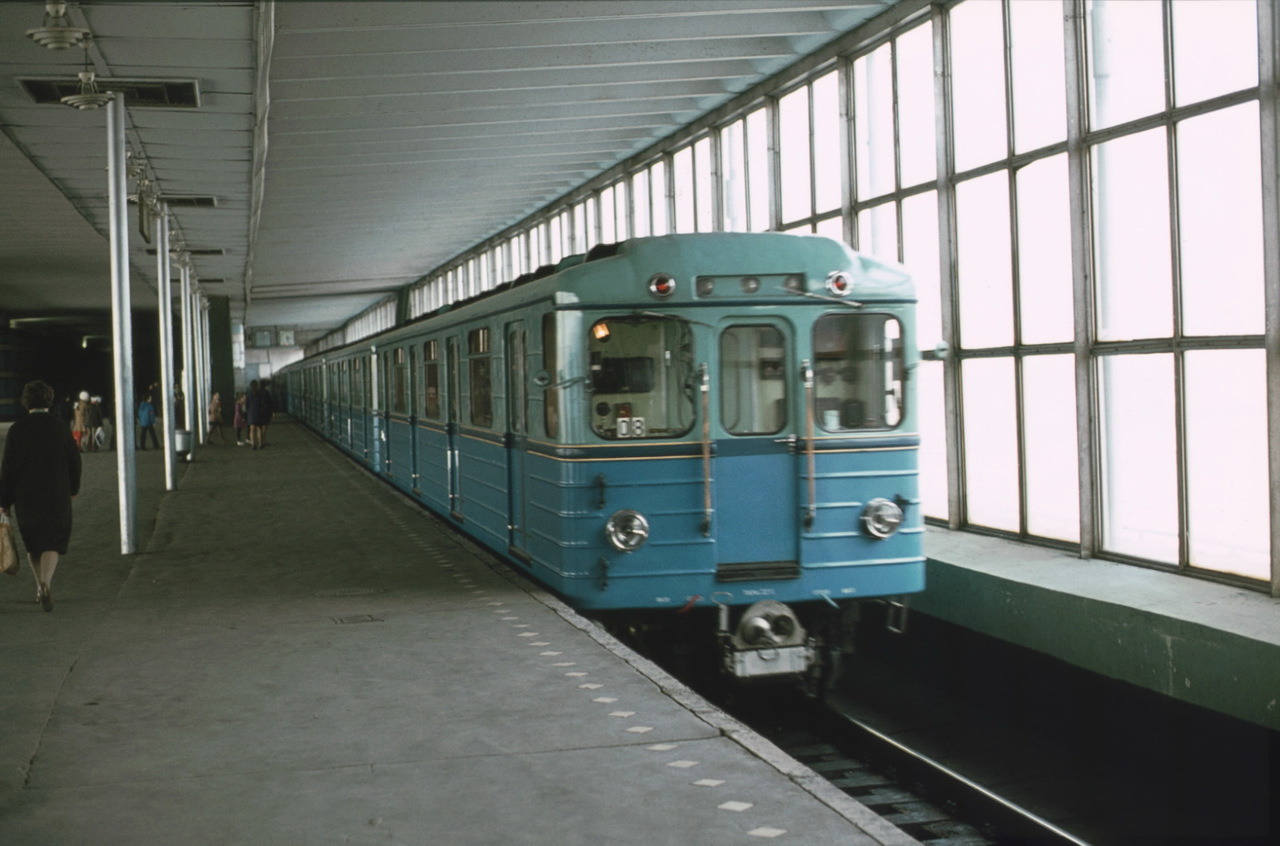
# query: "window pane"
[[985, 263], [608, 233], [1049, 427], [1126, 59], [702, 184], [733, 176], [920, 255], [658, 198], [873, 122], [619, 210], [878, 231], [977, 90], [793, 156], [1220, 222], [1227, 488], [826, 144], [1215, 48], [1131, 237], [1044, 252], [1039, 86], [640, 203], [759, 189], [933, 439], [682, 168], [753, 384], [1140, 484], [991, 443], [832, 227], [916, 131]]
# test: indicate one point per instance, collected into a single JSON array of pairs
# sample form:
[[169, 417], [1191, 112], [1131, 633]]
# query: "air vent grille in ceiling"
[[139, 93], [216, 251], [190, 202]]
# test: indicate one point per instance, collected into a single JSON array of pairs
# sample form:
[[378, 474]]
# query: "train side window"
[[641, 377], [480, 376], [753, 384], [399, 381], [858, 372], [551, 363], [431, 380]]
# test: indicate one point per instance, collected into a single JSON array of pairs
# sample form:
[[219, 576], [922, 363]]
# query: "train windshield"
[[642, 377], [858, 372]]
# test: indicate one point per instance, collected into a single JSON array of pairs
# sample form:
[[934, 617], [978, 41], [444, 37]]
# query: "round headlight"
[[839, 283], [627, 530], [661, 285], [882, 517]]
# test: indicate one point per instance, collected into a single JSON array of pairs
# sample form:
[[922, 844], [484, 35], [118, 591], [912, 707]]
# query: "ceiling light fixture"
[[57, 32], [88, 97]]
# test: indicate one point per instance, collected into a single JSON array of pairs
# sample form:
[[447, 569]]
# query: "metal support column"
[[1269, 105], [121, 321], [164, 288], [188, 353]]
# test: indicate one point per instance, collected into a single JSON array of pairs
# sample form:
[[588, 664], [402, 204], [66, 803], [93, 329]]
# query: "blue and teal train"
[[719, 421]]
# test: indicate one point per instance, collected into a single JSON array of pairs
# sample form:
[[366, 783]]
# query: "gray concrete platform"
[[299, 655]]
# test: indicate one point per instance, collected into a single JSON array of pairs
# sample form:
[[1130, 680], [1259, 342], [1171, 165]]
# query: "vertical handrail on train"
[[810, 511], [706, 450]]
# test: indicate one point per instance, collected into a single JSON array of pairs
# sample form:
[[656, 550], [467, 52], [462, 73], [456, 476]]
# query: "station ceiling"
[[338, 151]]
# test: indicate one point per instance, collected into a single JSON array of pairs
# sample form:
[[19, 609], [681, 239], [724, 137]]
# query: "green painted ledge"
[[1208, 644]]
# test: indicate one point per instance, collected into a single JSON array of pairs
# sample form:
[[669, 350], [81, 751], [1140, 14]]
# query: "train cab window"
[[753, 384], [480, 376], [641, 377], [431, 380], [858, 372]]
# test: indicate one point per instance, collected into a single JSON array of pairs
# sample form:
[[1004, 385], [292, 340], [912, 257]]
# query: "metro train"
[[720, 426]]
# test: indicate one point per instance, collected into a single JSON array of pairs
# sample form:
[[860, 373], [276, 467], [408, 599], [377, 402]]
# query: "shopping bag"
[[8, 550]]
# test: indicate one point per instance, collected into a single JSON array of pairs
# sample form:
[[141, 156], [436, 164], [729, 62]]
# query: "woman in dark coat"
[[40, 474]]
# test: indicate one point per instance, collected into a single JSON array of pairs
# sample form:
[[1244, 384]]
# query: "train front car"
[[733, 428]]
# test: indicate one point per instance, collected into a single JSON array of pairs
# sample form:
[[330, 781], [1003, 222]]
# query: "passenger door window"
[[753, 384]]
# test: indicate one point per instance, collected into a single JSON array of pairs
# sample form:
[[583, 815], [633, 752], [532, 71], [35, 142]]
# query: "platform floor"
[[298, 655]]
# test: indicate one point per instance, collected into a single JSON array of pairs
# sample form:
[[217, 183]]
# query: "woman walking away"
[[40, 475], [238, 419], [215, 419]]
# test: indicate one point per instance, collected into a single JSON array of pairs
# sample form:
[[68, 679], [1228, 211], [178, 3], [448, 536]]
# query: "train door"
[[377, 422], [453, 391], [756, 464], [517, 434]]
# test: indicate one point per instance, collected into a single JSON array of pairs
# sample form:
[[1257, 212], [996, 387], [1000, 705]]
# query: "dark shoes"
[[44, 597]]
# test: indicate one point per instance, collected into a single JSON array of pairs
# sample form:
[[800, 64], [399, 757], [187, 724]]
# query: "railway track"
[[920, 796]]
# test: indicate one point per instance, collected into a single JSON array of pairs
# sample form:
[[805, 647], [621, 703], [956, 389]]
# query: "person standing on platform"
[[40, 475], [215, 418], [80, 421], [147, 423], [238, 419], [94, 422], [253, 403], [265, 409]]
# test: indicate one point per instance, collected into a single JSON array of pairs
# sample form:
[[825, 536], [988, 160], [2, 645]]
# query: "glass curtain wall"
[[1079, 190]]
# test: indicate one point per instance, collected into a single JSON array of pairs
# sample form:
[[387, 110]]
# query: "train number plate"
[[751, 663]]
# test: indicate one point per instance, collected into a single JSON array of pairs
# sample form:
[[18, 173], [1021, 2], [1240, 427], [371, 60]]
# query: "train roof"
[[619, 273]]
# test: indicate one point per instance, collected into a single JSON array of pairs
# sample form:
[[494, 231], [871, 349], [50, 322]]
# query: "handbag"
[[9, 564]]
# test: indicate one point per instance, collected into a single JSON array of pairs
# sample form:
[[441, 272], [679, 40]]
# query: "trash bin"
[[182, 441]]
